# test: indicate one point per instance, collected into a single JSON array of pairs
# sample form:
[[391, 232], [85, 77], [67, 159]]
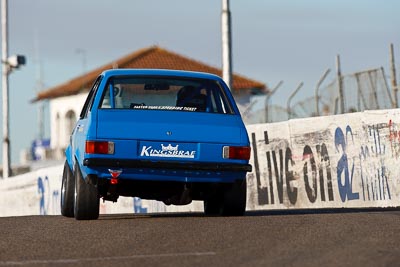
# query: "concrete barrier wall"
[[342, 161], [39, 192], [31, 193]]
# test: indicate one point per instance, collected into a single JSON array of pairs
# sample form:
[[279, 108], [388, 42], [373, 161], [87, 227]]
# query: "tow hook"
[[114, 175]]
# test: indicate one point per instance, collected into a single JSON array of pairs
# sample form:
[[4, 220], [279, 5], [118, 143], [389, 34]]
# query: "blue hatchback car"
[[167, 135]]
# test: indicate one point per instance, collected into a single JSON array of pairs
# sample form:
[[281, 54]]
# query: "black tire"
[[87, 201], [235, 199], [229, 201], [67, 192], [213, 205]]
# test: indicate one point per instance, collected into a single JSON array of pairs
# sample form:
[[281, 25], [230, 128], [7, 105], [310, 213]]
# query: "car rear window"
[[165, 93]]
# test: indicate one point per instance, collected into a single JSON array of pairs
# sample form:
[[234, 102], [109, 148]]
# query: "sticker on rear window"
[[164, 108]]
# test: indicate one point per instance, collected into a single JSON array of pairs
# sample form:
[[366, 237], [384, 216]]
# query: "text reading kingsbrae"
[[167, 152]]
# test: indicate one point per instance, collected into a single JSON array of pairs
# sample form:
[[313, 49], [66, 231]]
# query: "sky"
[[272, 40]]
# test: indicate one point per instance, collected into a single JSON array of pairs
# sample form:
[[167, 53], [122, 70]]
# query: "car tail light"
[[236, 152], [99, 147]]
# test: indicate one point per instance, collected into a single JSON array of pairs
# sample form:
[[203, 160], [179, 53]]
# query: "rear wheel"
[[87, 201], [235, 199], [231, 201], [213, 205], [67, 192]]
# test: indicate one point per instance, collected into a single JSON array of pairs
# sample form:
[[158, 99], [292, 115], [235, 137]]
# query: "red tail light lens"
[[99, 147], [236, 152]]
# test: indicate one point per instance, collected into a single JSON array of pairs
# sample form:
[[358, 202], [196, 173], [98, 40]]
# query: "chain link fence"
[[365, 90]]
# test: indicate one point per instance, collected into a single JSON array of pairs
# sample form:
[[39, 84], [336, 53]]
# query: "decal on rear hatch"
[[168, 150]]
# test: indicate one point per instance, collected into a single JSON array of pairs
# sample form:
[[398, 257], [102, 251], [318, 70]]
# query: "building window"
[[70, 120], [57, 136]]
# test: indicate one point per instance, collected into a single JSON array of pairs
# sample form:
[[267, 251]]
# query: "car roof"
[[161, 72]]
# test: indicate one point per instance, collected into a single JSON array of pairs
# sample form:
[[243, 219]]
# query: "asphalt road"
[[258, 239]]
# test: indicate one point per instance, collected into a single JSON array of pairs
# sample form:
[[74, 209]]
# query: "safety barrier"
[[341, 161], [39, 192]]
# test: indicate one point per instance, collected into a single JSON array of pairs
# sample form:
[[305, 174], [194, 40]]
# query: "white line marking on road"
[[71, 261]]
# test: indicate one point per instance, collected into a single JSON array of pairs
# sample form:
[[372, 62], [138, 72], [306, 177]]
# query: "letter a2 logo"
[[346, 188]]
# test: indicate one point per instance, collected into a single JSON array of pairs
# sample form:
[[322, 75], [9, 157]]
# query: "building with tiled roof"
[[152, 57], [67, 99]]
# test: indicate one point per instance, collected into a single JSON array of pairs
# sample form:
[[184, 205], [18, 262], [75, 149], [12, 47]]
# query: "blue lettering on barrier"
[[137, 205], [56, 202], [42, 185], [346, 188], [47, 197]]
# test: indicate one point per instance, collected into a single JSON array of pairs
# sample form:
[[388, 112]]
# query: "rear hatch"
[[169, 135]]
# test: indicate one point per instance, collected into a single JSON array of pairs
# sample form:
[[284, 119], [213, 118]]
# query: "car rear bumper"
[[166, 165]]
